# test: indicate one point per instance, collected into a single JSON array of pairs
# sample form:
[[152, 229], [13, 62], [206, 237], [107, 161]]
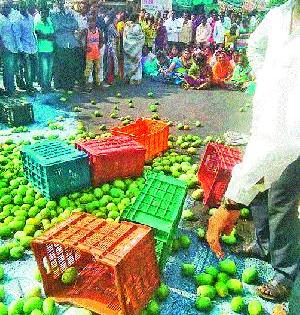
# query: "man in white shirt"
[[173, 27], [271, 162], [218, 32]]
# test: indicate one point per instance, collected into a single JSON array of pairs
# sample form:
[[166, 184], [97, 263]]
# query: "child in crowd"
[[199, 76], [149, 62], [222, 70], [163, 64], [93, 39]]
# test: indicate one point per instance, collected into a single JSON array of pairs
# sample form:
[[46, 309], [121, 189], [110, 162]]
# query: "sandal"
[[274, 291]]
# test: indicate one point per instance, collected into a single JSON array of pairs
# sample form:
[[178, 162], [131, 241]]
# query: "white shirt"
[[218, 34], [173, 29], [275, 134]]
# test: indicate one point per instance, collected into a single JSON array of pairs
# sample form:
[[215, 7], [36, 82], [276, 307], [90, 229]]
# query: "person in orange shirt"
[[94, 41], [222, 70]]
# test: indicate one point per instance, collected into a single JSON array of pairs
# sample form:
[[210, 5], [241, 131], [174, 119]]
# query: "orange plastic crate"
[[152, 134], [116, 264], [215, 171]]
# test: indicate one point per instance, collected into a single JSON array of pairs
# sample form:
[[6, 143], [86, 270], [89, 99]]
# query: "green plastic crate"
[[159, 205]]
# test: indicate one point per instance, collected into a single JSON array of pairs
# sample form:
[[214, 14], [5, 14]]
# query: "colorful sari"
[[198, 77], [222, 71], [161, 39], [133, 42]]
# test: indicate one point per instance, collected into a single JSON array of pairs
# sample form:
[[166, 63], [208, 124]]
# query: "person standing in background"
[[185, 36], [120, 28], [112, 58], [134, 40], [81, 17], [203, 33], [173, 29], [253, 21], [218, 31], [227, 21], [66, 43], [27, 46], [8, 48], [93, 42], [161, 39], [196, 21], [102, 26], [45, 35]]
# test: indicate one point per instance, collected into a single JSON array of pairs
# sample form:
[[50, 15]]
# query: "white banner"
[[153, 6]]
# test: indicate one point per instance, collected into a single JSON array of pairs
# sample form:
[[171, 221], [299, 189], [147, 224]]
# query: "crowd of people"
[[88, 46]]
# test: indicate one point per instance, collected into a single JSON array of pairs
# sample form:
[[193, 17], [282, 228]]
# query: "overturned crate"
[[55, 168], [117, 271], [113, 157], [215, 170], [159, 205], [16, 113], [152, 134]]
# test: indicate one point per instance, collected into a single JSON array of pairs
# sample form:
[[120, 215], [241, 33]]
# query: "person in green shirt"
[[241, 76], [45, 34]]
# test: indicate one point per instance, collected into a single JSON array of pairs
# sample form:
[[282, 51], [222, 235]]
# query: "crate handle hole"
[[46, 265]]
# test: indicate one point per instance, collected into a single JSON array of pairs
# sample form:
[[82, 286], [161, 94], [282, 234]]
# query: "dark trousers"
[[9, 70], [45, 61], [80, 56], [277, 226], [27, 64], [64, 71]]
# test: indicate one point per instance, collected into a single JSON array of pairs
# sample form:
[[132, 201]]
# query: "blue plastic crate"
[[56, 168]]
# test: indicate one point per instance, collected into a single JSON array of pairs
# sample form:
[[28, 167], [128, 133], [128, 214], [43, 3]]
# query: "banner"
[[153, 6]]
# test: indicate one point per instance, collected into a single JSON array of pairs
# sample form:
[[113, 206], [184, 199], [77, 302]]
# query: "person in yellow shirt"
[[231, 36], [149, 29]]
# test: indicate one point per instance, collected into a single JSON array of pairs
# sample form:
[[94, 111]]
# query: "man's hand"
[[221, 222]]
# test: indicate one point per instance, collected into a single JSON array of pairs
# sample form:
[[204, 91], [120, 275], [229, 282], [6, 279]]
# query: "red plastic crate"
[[215, 171], [116, 264], [113, 157], [152, 134]]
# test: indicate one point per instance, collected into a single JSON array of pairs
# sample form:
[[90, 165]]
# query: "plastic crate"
[[113, 157], [56, 168], [116, 264], [159, 205], [152, 134], [215, 171], [17, 113]]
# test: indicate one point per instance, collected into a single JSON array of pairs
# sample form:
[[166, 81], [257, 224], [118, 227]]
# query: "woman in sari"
[[222, 70], [199, 76], [161, 39], [133, 42]]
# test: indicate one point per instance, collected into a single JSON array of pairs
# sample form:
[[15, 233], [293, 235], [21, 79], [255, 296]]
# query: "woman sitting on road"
[[222, 70], [199, 76]]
